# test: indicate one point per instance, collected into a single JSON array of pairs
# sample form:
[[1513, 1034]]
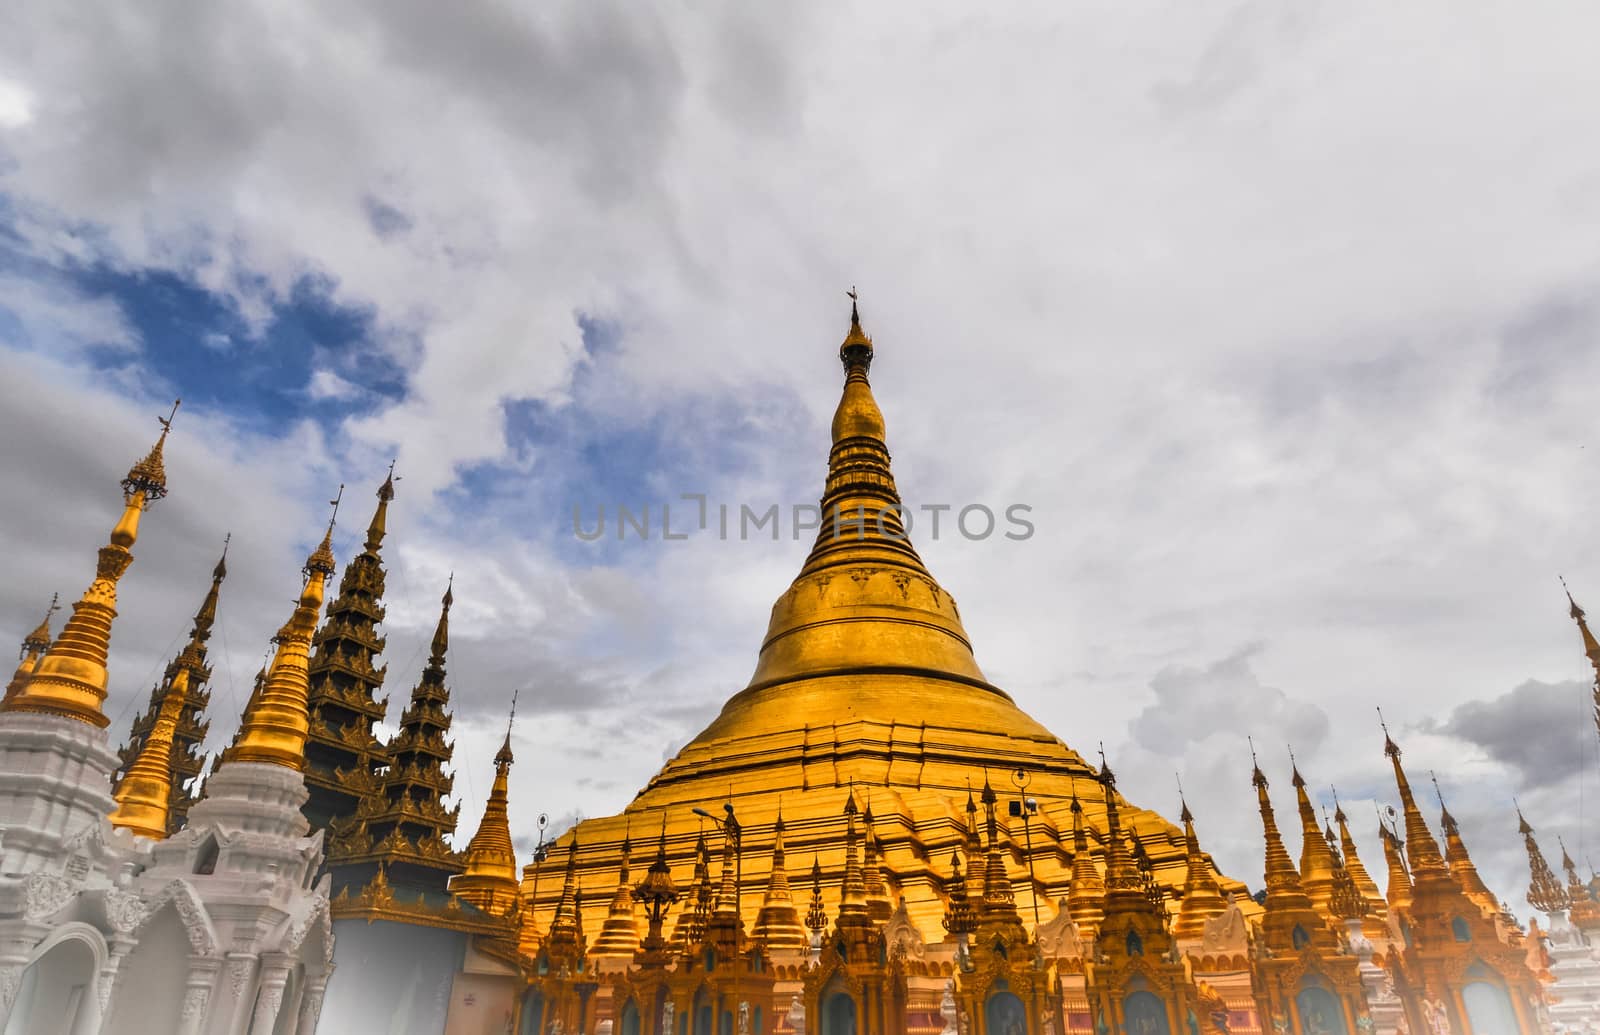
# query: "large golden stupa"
[[866, 680]]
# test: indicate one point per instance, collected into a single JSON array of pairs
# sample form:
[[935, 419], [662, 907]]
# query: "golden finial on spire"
[[277, 721], [70, 678], [489, 879], [380, 517], [1545, 892]]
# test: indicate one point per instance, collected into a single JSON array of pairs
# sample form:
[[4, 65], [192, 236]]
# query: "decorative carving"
[[124, 912], [10, 983], [904, 939], [238, 973], [193, 915], [194, 1003], [46, 894]]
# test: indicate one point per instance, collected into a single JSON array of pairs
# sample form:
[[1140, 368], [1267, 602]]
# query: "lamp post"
[[541, 851], [1026, 808]]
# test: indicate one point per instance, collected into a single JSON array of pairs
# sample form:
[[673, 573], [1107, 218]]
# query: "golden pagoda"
[[33, 647], [866, 676], [189, 733], [488, 877]]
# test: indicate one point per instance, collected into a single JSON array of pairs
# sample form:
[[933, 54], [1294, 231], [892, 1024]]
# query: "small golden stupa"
[[867, 680]]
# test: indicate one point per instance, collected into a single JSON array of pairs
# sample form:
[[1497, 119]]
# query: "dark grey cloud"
[[1541, 730]]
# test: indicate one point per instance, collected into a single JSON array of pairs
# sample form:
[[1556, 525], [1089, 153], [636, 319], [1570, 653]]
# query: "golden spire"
[[33, 647], [817, 915], [690, 930], [888, 614], [70, 680], [1290, 922], [998, 898], [1202, 895], [853, 901], [566, 942], [488, 879], [1087, 891], [1459, 862], [277, 721], [1422, 851], [1545, 892], [619, 936], [1346, 902], [1399, 876], [1376, 906], [145, 791], [959, 918], [778, 922], [878, 904], [1316, 860], [379, 523], [1591, 647]]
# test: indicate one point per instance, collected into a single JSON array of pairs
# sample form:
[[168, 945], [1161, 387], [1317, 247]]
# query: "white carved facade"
[[217, 930]]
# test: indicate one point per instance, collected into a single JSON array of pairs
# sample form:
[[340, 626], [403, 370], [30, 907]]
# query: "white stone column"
[[274, 976], [197, 993], [117, 948], [311, 1005]]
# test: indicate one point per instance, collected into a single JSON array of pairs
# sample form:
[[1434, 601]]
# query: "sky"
[[1282, 320]]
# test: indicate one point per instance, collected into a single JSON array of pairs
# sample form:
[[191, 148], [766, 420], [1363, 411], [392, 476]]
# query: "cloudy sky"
[[1281, 319]]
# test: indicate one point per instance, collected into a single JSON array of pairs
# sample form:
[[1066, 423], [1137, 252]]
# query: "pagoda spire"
[[690, 929], [144, 793], [879, 905], [344, 757], [1291, 921], [70, 679], [817, 914], [1316, 859], [619, 935], [1459, 862], [1582, 909], [566, 942], [1202, 895], [1545, 892], [1591, 647], [276, 721], [853, 900], [488, 878], [1087, 891], [959, 917], [191, 730], [1346, 903], [1134, 924], [778, 922], [1422, 851], [999, 901], [33, 647], [916, 627], [402, 821], [1400, 890], [656, 893], [1376, 906]]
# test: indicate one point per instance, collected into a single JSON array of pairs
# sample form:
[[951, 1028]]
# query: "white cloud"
[[1282, 321]]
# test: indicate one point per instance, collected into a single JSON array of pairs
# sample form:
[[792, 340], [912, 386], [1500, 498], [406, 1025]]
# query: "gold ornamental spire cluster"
[[70, 679]]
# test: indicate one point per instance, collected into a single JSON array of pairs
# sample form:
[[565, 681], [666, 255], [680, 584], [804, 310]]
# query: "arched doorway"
[[702, 1012], [1004, 1014], [630, 1018], [838, 1014], [1319, 1010], [1143, 1013], [159, 960], [1489, 1009], [57, 992]]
